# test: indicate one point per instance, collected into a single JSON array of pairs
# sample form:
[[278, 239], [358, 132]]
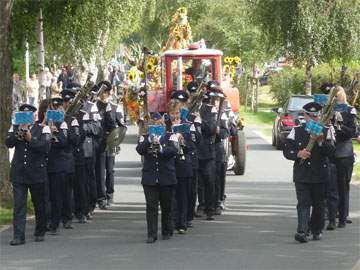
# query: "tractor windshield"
[[185, 70]]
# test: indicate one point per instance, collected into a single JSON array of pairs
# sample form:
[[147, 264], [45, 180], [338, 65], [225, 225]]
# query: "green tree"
[[297, 28], [5, 93]]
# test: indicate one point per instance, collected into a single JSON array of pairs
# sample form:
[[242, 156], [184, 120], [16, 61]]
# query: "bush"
[[291, 81]]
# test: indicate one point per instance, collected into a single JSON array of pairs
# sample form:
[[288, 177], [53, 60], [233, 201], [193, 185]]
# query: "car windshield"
[[296, 103]]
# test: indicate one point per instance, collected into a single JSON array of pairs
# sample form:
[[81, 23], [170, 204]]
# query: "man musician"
[[310, 172]]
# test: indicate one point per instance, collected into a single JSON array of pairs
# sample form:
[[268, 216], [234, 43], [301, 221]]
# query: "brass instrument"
[[154, 148], [325, 117], [21, 133], [197, 100], [181, 148], [81, 97]]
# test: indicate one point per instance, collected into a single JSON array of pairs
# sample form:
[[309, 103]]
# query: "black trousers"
[[192, 191], [37, 192], [67, 208], [344, 167], [153, 196], [180, 206], [109, 183], [57, 186], [91, 182], [332, 197], [206, 175], [100, 165], [81, 191], [310, 195], [220, 181]]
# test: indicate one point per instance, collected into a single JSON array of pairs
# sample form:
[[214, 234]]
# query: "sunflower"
[[237, 59], [228, 60], [150, 59], [131, 76], [150, 67]]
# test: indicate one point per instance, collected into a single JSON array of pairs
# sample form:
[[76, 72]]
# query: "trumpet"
[[154, 148], [21, 133], [181, 147]]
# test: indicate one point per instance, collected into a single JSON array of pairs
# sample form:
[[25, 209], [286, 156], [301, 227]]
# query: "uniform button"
[[25, 156], [308, 163], [157, 169], [24, 162], [25, 150]]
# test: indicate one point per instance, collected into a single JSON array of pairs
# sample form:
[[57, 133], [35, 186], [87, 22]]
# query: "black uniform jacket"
[[158, 170], [184, 164], [207, 128], [345, 131], [28, 165], [314, 169], [108, 122], [58, 158]]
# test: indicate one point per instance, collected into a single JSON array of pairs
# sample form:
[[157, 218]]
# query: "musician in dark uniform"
[[110, 155], [57, 169], [191, 158], [206, 154], [74, 139], [28, 172], [108, 123], [93, 133], [158, 179], [221, 160], [345, 126], [310, 173]]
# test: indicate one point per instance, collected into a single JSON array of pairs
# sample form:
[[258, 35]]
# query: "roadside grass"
[[264, 117], [6, 211]]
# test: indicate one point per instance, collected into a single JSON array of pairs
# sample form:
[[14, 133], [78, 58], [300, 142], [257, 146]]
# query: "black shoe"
[[348, 221], [331, 226], [301, 237], [189, 224], [17, 242], [54, 231], [67, 225], [317, 236], [39, 238], [342, 224], [82, 220], [218, 211], [109, 201], [102, 205], [209, 217], [166, 237], [151, 240], [181, 231], [88, 217]]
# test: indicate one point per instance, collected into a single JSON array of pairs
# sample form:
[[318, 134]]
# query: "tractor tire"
[[239, 152]]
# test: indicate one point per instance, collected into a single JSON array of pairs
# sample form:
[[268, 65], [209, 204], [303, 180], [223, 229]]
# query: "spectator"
[[32, 88]]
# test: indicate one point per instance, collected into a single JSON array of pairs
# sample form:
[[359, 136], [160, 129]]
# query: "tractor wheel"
[[239, 152]]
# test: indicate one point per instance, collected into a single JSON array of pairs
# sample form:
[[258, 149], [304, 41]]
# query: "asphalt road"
[[255, 232]]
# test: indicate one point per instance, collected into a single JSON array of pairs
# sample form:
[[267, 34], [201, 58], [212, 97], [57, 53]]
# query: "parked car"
[[288, 116]]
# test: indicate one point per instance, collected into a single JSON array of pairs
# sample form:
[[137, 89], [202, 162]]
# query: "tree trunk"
[[100, 58], [246, 91], [41, 55], [5, 96], [308, 77], [343, 75]]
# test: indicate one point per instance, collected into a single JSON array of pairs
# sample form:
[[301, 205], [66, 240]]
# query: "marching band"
[[66, 161]]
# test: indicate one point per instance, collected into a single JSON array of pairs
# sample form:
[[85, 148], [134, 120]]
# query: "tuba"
[[81, 97]]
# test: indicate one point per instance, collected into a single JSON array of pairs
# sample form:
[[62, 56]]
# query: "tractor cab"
[[180, 67]]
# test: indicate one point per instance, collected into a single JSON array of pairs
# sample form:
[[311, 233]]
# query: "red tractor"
[[174, 64]]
